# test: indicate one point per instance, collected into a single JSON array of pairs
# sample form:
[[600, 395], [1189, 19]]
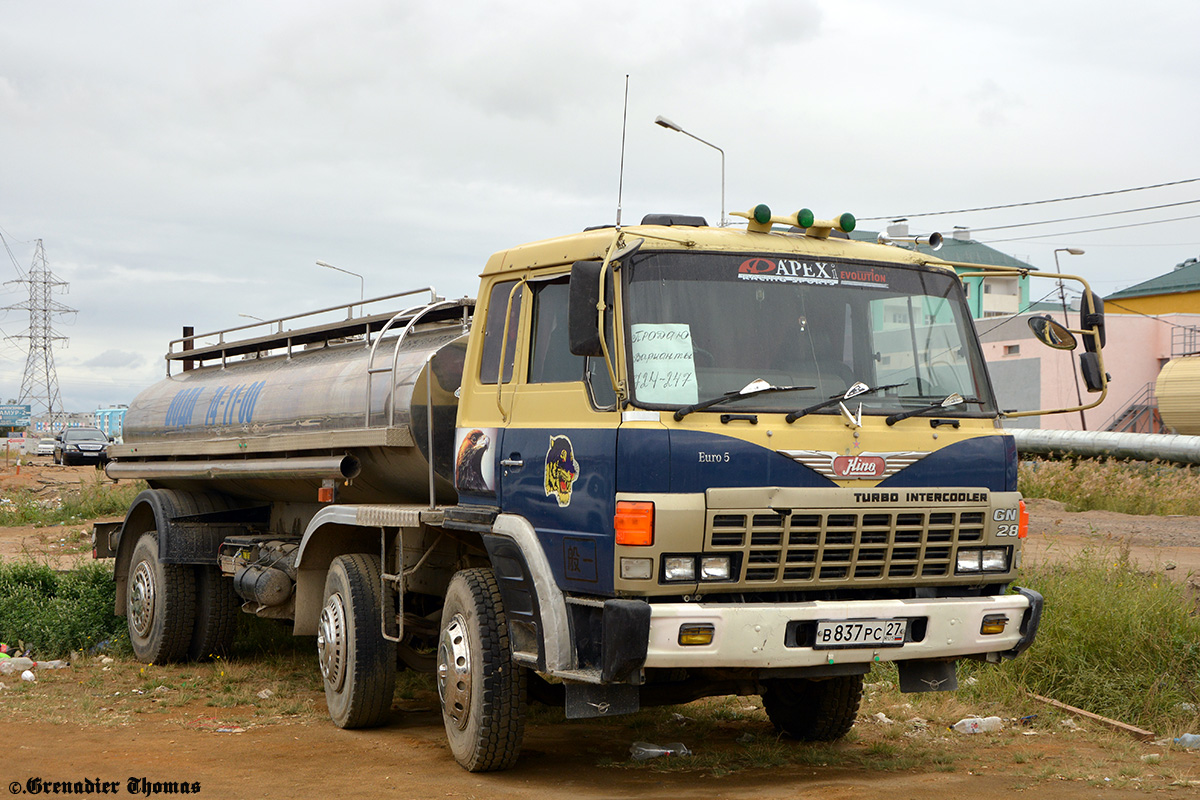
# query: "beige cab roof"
[[593, 244]]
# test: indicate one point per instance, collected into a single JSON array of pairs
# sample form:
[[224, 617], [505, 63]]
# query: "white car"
[[45, 447]]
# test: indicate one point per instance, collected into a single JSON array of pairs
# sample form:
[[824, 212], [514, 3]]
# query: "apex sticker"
[[561, 470], [787, 270]]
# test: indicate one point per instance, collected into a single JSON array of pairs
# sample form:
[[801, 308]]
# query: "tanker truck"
[[649, 464]]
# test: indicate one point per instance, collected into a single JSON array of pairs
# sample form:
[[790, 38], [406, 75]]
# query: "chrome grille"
[[835, 545]]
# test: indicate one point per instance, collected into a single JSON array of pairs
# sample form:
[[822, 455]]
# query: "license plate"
[[860, 633]]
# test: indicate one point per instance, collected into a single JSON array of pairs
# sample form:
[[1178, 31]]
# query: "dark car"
[[81, 446]]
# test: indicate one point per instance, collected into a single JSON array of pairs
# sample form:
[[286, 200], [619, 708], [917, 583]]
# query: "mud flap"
[[588, 700], [626, 639], [927, 676]]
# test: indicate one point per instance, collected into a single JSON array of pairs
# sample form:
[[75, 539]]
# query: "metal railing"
[[1185, 341], [1139, 415]]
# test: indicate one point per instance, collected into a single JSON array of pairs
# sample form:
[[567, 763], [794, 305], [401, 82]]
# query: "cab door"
[[557, 454]]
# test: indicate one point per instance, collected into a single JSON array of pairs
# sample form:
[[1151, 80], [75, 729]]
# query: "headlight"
[[679, 568], [714, 568], [977, 559], [995, 559]]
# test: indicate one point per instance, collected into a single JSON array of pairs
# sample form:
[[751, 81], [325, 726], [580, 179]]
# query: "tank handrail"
[[372, 370], [416, 314], [279, 322]]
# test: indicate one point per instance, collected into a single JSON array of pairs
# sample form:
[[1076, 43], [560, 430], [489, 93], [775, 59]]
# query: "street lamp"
[[1062, 296], [251, 316], [361, 283], [666, 123]]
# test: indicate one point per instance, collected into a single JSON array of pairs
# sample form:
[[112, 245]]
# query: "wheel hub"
[[331, 642], [141, 598], [454, 672]]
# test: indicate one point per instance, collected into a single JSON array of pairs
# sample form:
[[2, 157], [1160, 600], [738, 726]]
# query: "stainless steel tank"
[[275, 427]]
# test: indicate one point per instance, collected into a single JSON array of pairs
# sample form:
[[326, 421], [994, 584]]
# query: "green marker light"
[[804, 218], [762, 213]]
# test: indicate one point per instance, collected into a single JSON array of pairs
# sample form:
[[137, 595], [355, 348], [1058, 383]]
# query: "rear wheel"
[[813, 710], [217, 609], [159, 604], [357, 664], [481, 689]]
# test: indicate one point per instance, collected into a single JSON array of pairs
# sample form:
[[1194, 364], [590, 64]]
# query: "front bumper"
[[756, 635]]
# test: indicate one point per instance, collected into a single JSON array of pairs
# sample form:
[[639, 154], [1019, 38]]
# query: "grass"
[[54, 613], [1114, 640], [1128, 487], [90, 499]]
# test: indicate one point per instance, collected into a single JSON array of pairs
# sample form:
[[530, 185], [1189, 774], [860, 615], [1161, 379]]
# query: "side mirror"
[[1052, 334], [582, 330], [1091, 318], [1089, 366]]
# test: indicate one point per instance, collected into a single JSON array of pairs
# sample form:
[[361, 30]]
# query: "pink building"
[[1028, 375]]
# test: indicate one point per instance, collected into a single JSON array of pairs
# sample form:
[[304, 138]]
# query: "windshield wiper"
[[757, 386], [955, 399], [854, 391]]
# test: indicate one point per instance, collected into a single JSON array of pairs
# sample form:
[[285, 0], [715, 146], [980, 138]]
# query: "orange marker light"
[[1023, 522], [634, 523]]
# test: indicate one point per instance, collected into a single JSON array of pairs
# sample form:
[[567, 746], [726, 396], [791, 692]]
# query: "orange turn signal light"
[[1023, 522], [634, 523]]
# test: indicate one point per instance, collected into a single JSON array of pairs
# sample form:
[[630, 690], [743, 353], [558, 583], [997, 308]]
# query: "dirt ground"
[[94, 723]]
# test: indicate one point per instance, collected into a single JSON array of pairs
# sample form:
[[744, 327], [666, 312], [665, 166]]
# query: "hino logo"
[[859, 466]]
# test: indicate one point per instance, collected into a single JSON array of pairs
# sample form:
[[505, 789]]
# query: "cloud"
[[115, 359]]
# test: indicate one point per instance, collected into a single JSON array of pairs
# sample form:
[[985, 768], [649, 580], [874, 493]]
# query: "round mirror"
[[1051, 333]]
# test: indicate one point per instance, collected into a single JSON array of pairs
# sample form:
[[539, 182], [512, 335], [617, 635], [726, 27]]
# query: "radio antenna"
[[621, 179]]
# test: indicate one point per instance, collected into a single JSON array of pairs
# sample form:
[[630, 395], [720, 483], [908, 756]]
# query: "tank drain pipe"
[[344, 467]]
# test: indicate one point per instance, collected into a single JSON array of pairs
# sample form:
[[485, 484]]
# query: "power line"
[[8, 249], [1085, 216], [1032, 202], [1093, 230]]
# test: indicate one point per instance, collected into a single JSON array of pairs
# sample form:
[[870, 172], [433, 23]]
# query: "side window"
[[489, 366], [551, 360]]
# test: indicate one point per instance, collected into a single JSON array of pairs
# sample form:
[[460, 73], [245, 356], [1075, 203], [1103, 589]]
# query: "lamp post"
[[361, 283], [666, 123], [1062, 296]]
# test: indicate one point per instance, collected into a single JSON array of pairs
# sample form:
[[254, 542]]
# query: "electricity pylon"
[[39, 386]]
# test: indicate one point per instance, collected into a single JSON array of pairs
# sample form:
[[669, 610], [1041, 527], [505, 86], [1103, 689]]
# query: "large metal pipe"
[[1138, 446], [336, 467]]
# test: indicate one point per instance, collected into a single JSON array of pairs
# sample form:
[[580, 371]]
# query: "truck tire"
[[357, 664], [813, 710], [481, 689], [217, 609], [159, 604]]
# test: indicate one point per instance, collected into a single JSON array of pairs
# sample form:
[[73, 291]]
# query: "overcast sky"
[[184, 163]]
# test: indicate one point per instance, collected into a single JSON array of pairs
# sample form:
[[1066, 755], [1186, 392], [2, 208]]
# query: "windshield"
[[703, 325], [84, 436]]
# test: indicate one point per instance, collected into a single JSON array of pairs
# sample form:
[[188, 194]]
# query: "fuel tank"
[[276, 426]]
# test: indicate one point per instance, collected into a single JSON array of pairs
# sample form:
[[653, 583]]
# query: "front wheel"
[[481, 689], [358, 665], [813, 710]]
